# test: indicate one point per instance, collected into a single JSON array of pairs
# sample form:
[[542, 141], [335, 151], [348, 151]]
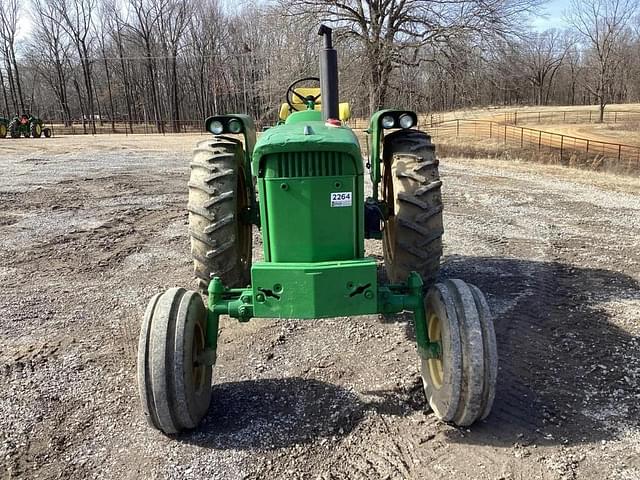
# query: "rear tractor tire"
[[46, 132], [3, 130], [221, 242], [460, 384], [13, 129], [174, 386], [412, 237]]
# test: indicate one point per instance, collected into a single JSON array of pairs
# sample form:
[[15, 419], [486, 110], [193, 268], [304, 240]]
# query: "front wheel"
[[174, 381], [460, 384]]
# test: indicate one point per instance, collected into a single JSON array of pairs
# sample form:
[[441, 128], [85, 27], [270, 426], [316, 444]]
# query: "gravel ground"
[[91, 228]]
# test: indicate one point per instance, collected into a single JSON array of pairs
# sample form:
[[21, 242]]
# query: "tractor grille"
[[307, 164]]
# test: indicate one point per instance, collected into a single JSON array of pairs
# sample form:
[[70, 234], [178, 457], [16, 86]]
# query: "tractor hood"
[[306, 135]]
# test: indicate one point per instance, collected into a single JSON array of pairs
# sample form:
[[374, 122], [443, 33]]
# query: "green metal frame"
[[312, 275], [244, 304], [376, 131], [252, 215]]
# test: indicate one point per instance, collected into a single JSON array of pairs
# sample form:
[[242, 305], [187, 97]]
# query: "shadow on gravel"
[[276, 413], [564, 373]]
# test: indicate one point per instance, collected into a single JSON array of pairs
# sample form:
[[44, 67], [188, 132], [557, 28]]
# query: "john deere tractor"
[[26, 126], [302, 185]]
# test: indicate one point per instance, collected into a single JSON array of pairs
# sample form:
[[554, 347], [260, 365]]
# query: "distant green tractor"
[[4, 127], [26, 126], [302, 184]]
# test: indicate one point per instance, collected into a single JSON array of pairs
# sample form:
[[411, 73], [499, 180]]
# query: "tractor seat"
[[344, 111]]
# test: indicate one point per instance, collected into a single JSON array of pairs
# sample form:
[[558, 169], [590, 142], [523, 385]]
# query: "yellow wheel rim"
[[436, 368], [3, 130], [199, 369], [38, 129]]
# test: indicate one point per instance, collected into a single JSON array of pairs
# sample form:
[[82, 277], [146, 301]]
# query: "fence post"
[[457, 127], [490, 129], [515, 118], [521, 137], [538, 117], [564, 117], [539, 140], [561, 145], [587, 145], [590, 113], [615, 117], [505, 134], [619, 152]]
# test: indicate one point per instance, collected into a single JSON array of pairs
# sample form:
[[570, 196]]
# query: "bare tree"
[[77, 16], [604, 25], [9, 14], [542, 56], [393, 32]]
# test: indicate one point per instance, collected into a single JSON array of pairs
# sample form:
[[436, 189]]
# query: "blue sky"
[[554, 11]]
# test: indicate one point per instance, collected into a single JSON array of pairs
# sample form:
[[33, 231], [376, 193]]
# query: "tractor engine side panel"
[[312, 207]]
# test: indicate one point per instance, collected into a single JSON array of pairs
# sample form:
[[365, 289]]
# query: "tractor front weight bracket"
[[238, 303], [410, 297]]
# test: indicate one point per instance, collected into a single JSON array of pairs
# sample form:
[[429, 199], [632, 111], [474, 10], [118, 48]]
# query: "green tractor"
[[26, 126], [302, 184]]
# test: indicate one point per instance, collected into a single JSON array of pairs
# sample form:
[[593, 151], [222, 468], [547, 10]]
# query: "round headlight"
[[216, 127], [406, 121], [388, 121], [235, 126]]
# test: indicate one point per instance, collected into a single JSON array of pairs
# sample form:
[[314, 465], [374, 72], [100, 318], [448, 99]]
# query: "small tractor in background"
[[4, 126], [302, 184], [26, 126]]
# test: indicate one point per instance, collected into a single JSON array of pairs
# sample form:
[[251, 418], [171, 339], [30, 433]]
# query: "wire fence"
[[506, 132], [572, 116], [126, 128], [626, 156]]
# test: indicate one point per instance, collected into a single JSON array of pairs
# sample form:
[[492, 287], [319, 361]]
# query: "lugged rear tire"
[[220, 242], [3, 130], [412, 237], [13, 129]]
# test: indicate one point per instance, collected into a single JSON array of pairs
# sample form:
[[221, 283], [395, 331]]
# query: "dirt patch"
[[88, 235]]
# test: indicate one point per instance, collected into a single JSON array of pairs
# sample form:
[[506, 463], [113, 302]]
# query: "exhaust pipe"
[[328, 76]]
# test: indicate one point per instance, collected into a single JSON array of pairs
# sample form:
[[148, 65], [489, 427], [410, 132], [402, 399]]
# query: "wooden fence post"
[[561, 145], [587, 145], [457, 128], [619, 152], [490, 129], [539, 140], [505, 134], [521, 137]]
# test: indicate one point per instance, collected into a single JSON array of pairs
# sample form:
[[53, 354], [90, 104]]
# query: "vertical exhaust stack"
[[328, 76]]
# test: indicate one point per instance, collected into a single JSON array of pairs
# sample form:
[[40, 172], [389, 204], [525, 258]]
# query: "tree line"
[[167, 62]]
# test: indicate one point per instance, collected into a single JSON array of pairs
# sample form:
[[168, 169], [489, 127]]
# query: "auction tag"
[[341, 199]]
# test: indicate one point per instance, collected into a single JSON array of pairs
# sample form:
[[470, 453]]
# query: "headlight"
[[235, 126], [216, 127], [388, 121], [406, 121]]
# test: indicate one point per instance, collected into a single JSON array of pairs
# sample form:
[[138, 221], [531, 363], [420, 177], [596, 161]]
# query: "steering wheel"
[[305, 100]]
